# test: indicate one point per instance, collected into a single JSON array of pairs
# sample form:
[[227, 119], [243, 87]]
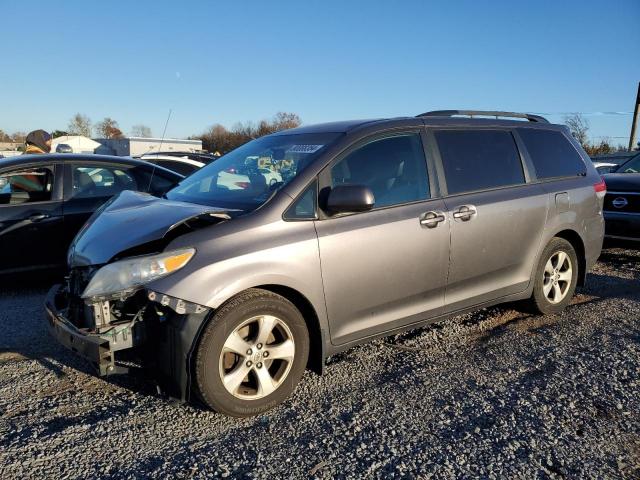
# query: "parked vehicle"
[[605, 167], [45, 199], [608, 162], [182, 165], [375, 227], [622, 203]]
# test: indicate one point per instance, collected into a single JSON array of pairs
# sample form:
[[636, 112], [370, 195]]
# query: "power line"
[[582, 113]]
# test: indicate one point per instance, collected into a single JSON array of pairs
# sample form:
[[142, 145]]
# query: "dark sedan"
[[45, 200], [622, 202]]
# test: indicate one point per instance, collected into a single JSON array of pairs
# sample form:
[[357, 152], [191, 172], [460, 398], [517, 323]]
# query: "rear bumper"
[[622, 226], [97, 349]]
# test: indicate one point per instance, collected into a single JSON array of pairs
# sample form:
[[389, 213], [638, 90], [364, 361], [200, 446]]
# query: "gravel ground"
[[494, 394]]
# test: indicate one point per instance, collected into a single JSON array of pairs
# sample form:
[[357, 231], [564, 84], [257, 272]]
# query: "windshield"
[[249, 175], [630, 166]]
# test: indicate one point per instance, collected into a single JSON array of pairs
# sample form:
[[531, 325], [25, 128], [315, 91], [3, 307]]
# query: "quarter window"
[[26, 185], [304, 208], [394, 168], [479, 159], [100, 181], [552, 153]]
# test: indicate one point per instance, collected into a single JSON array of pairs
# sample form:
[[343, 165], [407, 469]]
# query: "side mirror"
[[349, 199]]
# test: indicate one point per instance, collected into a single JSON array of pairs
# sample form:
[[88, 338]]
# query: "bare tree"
[[4, 137], [579, 127], [108, 128], [218, 138], [80, 125], [141, 131], [19, 137]]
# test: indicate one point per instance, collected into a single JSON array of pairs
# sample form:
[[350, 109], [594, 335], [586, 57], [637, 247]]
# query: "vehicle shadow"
[[25, 337]]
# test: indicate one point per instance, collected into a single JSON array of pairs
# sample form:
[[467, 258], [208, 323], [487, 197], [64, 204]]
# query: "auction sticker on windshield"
[[304, 148]]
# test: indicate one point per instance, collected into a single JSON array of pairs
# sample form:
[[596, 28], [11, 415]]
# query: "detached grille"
[[624, 202]]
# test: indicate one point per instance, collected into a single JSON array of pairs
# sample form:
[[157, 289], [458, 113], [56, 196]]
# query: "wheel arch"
[[577, 243], [316, 334]]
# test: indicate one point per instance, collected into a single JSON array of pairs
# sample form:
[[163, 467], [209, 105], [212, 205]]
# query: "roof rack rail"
[[484, 113]]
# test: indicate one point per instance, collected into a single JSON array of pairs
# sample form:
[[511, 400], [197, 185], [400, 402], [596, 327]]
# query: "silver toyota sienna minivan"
[[306, 242]]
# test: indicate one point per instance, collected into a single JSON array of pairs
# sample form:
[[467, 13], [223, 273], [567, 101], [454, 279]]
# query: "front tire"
[[252, 354], [555, 277]]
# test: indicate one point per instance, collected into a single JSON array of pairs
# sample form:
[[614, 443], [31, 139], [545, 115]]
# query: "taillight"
[[600, 188]]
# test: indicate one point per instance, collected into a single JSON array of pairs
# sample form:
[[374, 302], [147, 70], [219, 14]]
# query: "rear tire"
[[555, 277], [252, 354]]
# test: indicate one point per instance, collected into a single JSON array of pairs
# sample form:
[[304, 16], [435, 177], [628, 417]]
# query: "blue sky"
[[224, 62]]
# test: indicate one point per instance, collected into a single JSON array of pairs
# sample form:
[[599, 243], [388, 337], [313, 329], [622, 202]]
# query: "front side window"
[[630, 166], [552, 153], [26, 185], [100, 181], [479, 159], [394, 168], [248, 176]]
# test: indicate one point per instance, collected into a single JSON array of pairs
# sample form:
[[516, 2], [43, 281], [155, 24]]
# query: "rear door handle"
[[465, 212], [38, 217], [431, 219]]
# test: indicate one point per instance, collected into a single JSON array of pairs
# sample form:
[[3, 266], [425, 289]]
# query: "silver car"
[[373, 227]]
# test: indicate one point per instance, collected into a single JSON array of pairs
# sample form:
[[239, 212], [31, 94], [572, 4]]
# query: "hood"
[[133, 219], [622, 182]]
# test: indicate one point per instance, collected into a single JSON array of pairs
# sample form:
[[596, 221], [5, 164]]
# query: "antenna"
[[159, 149]]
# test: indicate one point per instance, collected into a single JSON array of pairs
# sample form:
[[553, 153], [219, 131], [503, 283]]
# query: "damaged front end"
[[143, 329], [105, 312]]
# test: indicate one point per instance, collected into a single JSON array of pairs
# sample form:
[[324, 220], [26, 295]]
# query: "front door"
[[384, 268], [31, 222]]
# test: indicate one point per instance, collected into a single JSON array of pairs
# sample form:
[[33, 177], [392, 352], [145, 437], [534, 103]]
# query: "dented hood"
[[132, 219]]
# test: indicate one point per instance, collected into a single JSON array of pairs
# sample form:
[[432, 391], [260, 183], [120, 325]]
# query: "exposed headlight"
[[125, 276]]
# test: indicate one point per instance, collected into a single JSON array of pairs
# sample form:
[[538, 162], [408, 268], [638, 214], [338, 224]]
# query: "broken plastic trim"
[[178, 305]]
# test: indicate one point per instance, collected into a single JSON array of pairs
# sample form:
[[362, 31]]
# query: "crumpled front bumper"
[[166, 338], [98, 349]]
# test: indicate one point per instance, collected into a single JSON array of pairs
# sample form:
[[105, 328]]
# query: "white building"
[[76, 144], [136, 146]]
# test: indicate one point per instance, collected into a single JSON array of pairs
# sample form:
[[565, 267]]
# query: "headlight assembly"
[[128, 275]]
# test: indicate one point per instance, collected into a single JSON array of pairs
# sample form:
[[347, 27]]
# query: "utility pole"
[[634, 122]]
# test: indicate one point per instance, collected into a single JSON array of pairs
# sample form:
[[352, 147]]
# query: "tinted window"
[[632, 166], [100, 181], [26, 185], [304, 207], [394, 168], [552, 153], [479, 159]]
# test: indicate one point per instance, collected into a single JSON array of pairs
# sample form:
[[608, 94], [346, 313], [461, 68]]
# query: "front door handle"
[[38, 217], [431, 219], [465, 212]]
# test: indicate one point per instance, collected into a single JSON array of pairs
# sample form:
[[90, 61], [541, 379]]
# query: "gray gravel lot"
[[493, 394]]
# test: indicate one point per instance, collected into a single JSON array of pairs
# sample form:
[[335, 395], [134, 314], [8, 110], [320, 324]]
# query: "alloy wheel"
[[557, 277], [256, 357]]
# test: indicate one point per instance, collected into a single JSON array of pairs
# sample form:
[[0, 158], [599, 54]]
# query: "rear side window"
[[552, 153], [479, 159], [100, 181]]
